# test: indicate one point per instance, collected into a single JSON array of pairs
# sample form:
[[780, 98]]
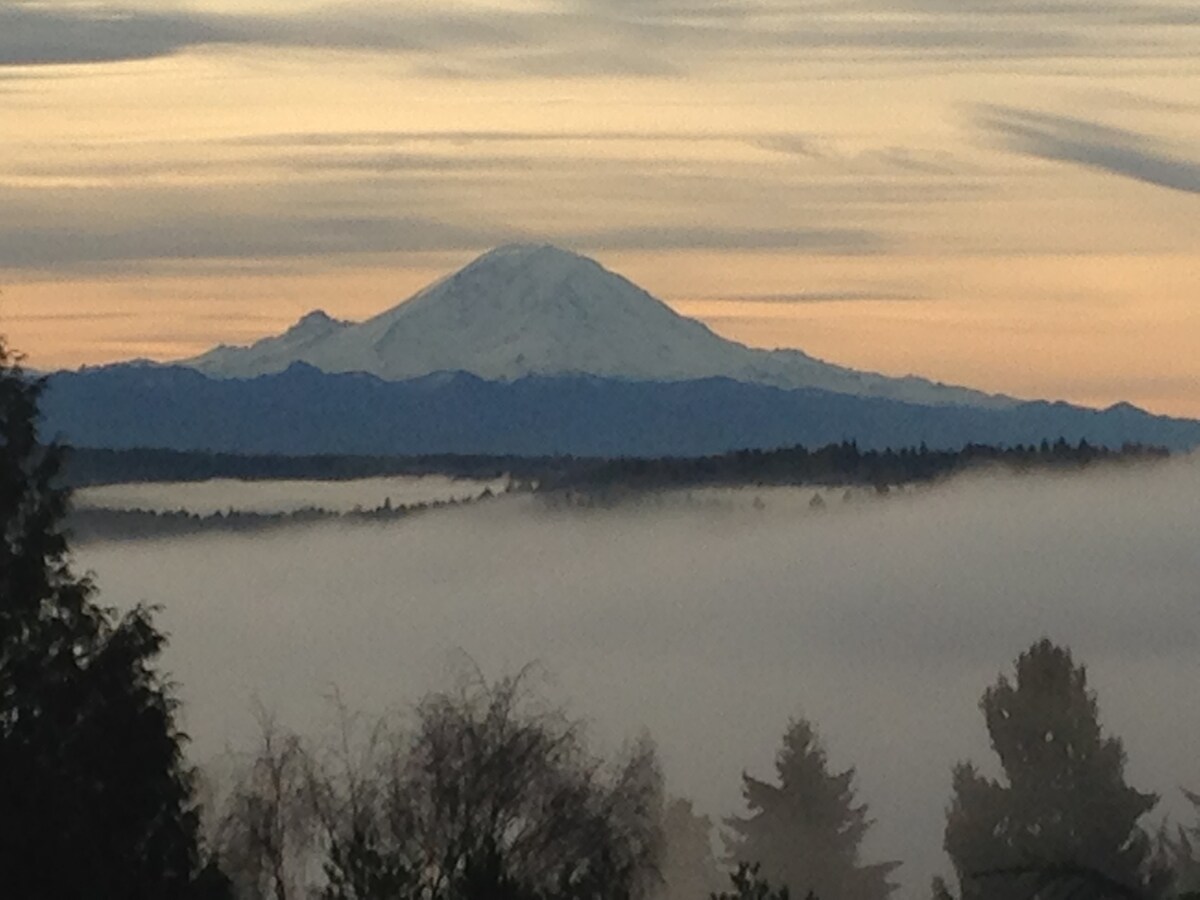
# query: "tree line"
[[89, 524], [842, 464], [835, 464], [492, 793]]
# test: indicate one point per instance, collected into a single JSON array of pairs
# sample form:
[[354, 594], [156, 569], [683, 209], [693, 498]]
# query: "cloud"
[[916, 161], [1083, 143], [324, 199], [565, 63], [595, 37], [816, 297], [710, 623], [459, 42], [71, 317], [842, 241], [243, 237], [173, 236], [39, 35]]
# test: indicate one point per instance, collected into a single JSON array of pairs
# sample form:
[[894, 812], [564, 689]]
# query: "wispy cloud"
[[243, 237], [283, 197], [597, 37], [179, 236], [874, 296], [461, 41], [846, 241], [32, 35], [70, 318], [1095, 146]]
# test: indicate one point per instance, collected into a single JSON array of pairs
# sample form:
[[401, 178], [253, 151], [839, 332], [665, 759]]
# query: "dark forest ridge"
[[305, 412], [843, 463]]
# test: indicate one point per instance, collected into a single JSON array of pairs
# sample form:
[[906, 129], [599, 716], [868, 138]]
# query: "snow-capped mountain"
[[537, 310]]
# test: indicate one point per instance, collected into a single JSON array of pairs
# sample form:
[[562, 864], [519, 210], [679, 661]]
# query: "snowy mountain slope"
[[537, 310]]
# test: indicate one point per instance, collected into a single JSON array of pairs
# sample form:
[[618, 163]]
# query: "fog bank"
[[882, 621], [220, 495]]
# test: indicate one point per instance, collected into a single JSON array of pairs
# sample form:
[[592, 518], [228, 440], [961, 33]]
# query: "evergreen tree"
[[1062, 819], [689, 868], [95, 800], [805, 831]]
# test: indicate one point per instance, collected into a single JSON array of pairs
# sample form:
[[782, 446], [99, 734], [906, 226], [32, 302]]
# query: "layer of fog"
[[881, 621], [222, 495]]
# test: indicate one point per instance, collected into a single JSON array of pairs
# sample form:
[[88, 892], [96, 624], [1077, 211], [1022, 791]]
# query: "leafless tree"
[[265, 836], [491, 794]]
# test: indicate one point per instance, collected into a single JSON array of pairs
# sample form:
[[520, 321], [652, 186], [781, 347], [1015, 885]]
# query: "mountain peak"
[[317, 321], [536, 309], [524, 252], [542, 264]]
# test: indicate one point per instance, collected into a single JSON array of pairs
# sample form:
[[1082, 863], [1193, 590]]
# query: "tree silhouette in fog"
[[805, 832], [1182, 850], [748, 884], [95, 800], [1061, 820], [492, 796], [689, 867]]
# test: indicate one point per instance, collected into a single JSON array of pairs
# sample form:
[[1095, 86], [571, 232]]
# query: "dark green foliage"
[[95, 800], [806, 830], [1062, 820]]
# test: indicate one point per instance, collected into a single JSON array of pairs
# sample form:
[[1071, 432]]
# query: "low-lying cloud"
[[711, 624]]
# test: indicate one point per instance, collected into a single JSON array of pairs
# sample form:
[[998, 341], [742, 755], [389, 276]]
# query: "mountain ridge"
[[306, 411]]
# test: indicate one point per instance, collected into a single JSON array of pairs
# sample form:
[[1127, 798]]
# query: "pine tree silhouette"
[[95, 799], [805, 831]]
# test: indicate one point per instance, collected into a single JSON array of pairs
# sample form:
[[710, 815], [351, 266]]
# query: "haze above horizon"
[[997, 196]]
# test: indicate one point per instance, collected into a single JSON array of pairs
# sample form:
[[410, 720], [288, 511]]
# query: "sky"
[[998, 193]]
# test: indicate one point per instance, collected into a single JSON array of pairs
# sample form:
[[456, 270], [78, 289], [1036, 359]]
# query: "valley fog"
[[282, 496], [883, 621]]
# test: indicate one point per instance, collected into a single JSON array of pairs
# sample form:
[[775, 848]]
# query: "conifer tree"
[[1062, 818], [95, 800], [805, 832], [688, 866]]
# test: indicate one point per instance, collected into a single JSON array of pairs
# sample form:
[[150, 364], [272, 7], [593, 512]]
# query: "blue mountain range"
[[303, 410]]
